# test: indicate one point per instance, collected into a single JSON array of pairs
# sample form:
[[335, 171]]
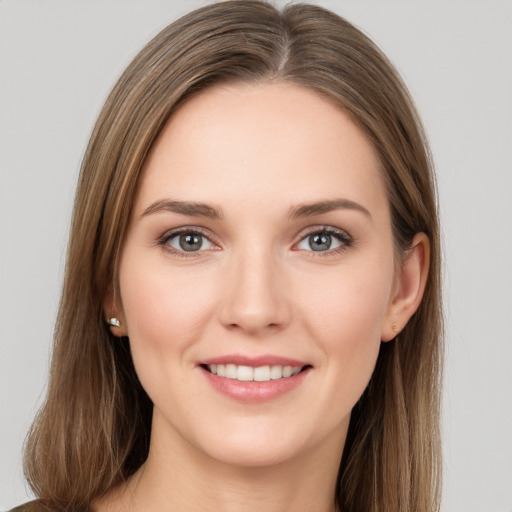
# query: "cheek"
[[349, 306], [165, 309], [345, 316]]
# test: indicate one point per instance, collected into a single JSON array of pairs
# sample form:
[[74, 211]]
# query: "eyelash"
[[342, 236], [189, 230]]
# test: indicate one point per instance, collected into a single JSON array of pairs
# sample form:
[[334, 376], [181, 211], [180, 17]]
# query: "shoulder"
[[32, 506]]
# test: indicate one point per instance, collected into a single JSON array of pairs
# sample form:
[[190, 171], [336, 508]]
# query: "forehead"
[[261, 144]]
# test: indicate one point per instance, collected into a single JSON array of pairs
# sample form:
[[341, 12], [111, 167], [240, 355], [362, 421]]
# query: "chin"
[[254, 453], [260, 443]]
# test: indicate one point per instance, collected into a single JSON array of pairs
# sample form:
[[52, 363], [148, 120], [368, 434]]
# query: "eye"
[[188, 241], [327, 239]]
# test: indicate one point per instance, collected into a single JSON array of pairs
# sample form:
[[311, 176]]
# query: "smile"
[[254, 379], [248, 373]]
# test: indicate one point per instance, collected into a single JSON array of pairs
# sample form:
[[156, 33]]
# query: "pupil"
[[320, 242], [190, 242]]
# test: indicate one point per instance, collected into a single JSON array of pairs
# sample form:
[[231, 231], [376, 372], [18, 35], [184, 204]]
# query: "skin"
[[256, 153]]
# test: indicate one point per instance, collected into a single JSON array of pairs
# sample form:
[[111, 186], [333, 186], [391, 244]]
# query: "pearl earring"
[[114, 322], [394, 327]]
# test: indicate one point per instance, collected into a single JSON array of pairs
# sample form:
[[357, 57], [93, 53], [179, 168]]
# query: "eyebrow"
[[310, 209], [191, 208], [198, 209]]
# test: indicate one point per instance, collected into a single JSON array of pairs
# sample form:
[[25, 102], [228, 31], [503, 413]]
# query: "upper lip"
[[254, 361]]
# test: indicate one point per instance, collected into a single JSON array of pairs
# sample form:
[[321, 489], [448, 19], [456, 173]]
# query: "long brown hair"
[[93, 429]]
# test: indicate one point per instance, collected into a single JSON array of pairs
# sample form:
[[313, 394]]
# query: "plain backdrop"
[[58, 60]]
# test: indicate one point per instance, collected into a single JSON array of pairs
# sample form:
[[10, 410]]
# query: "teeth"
[[248, 373], [262, 373], [231, 371], [276, 372], [244, 373]]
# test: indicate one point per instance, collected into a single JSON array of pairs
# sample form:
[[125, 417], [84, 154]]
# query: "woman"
[[251, 308]]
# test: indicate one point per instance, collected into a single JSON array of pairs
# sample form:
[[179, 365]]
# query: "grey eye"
[[190, 242], [319, 242]]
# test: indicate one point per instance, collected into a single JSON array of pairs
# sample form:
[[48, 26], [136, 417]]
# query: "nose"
[[254, 294]]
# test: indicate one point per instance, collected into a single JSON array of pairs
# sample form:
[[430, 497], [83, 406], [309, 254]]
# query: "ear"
[[113, 309], [409, 287]]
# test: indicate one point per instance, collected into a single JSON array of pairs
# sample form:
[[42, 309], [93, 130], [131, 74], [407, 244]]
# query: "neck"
[[177, 477]]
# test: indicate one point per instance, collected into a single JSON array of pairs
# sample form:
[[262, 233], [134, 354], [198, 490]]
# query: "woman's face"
[[259, 246]]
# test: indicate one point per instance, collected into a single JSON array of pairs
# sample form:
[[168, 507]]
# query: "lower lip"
[[254, 391]]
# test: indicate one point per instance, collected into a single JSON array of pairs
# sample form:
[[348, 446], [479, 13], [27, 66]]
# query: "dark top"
[[32, 506]]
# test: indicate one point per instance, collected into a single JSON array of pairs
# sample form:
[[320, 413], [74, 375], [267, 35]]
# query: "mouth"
[[254, 379], [262, 373]]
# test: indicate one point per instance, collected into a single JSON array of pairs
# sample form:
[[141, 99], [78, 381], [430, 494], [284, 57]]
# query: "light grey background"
[[58, 60]]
